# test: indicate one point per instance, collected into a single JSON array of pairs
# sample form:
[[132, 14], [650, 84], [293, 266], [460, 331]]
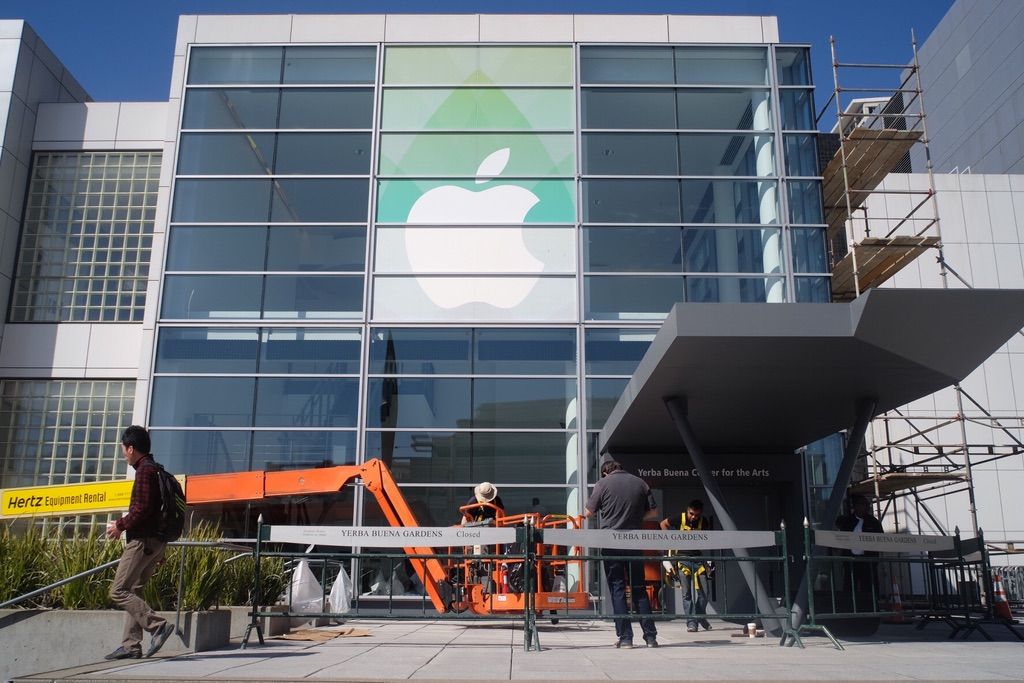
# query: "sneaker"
[[125, 653], [706, 625], [624, 644], [651, 642], [691, 629], [159, 638]]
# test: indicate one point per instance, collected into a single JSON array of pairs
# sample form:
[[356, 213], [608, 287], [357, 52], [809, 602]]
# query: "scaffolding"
[[912, 459]]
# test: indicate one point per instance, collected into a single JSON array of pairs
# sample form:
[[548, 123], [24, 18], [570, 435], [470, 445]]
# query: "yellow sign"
[[68, 499]]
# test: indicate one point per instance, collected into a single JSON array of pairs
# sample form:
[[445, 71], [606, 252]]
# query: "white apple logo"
[[473, 250]]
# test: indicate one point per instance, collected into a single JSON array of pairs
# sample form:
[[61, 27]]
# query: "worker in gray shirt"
[[625, 502]]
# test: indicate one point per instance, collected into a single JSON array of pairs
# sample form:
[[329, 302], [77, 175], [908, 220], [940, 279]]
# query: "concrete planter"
[[35, 640]]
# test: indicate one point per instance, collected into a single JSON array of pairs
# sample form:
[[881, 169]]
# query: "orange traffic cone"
[[896, 605], [1001, 606]]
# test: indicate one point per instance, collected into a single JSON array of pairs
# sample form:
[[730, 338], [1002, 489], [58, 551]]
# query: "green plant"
[[202, 568], [240, 577], [73, 556], [23, 564]]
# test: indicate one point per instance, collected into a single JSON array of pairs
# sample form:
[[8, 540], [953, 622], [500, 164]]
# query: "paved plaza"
[[493, 651]]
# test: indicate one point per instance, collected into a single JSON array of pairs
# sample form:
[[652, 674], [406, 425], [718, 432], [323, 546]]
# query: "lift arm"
[[376, 478]]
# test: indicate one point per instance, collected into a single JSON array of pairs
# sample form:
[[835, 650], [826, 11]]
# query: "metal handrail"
[[226, 545]]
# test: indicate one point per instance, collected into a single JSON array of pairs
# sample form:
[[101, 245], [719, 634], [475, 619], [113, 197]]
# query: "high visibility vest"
[[702, 524]]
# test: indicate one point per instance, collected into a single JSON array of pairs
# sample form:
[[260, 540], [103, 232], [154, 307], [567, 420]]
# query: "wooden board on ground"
[[323, 634]]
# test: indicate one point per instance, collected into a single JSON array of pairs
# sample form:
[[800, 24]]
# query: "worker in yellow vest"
[[691, 573]]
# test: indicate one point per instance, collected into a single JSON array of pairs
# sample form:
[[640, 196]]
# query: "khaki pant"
[[133, 571]]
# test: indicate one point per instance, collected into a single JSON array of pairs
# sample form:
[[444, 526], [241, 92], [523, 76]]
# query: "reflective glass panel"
[[205, 349], [306, 402], [474, 299], [323, 153], [602, 395], [631, 201], [484, 65], [628, 108], [466, 202], [217, 247], [202, 401], [717, 154], [478, 109], [309, 351], [460, 154], [794, 66], [215, 200], [226, 154], [212, 65], [734, 289], [730, 201], [724, 250], [329, 64], [722, 65], [801, 154], [418, 403], [724, 109], [313, 296], [797, 109], [342, 200], [524, 403], [420, 351], [308, 108], [809, 255], [632, 249], [201, 451], [524, 352], [316, 248], [631, 298], [616, 351], [466, 249], [630, 154], [298, 450], [212, 296], [439, 505], [230, 108], [805, 203], [616, 65], [814, 290], [458, 457]]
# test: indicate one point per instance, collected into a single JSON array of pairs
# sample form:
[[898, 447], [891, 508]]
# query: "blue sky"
[[121, 49]]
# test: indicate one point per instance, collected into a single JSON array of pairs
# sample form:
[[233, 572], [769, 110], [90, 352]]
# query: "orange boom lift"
[[481, 585]]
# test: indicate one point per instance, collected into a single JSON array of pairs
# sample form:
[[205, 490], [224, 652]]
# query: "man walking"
[[142, 553], [624, 502]]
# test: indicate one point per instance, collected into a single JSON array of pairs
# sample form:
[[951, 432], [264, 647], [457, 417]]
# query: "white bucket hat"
[[485, 492]]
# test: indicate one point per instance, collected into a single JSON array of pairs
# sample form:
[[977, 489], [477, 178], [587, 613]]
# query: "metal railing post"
[[256, 589]]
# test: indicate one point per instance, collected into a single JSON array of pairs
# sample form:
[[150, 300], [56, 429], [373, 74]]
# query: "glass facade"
[[453, 257], [86, 238]]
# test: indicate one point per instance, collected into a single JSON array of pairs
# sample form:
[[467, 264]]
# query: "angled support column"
[[854, 442], [762, 600]]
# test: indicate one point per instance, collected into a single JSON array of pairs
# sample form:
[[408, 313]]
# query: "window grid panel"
[[62, 431], [87, 237]]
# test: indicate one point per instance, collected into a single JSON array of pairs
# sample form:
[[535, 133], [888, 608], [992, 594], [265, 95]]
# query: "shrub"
[[73, 556], [23, 564]]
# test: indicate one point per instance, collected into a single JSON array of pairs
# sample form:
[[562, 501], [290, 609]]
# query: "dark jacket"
[[143, 518]]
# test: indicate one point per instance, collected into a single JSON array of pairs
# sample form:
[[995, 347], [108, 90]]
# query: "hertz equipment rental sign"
[[68, 499]]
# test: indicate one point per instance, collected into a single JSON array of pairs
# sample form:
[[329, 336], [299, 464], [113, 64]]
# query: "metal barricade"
[[652, 548], [465, 572], [864, 578]]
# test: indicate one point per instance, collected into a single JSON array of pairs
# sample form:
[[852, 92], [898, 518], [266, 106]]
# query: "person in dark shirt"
[[860, 577], [625, 502], [484, 496], [143, 551]]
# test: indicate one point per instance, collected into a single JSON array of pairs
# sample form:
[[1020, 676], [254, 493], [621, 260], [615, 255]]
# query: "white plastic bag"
[[306, 592], [340, 598]]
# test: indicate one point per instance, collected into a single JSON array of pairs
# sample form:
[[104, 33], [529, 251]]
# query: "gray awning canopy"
[[770, 378]]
